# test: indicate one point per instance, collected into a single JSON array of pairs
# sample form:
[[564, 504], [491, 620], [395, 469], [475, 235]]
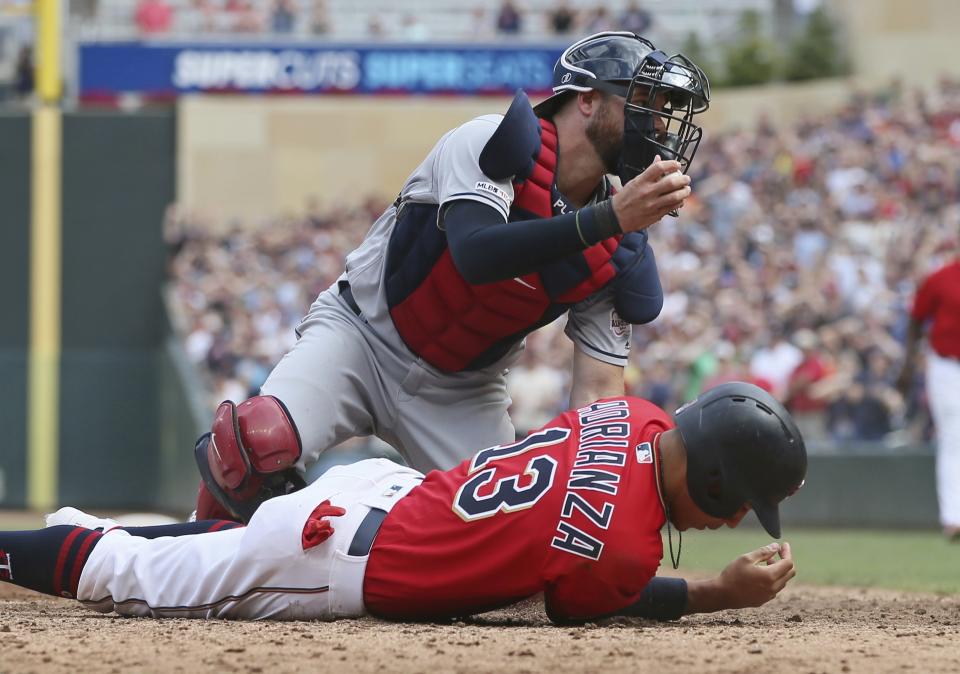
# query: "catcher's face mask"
[[650, 130]]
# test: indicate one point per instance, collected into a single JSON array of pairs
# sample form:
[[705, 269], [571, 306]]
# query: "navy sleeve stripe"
[[605, 353], [490, 200]]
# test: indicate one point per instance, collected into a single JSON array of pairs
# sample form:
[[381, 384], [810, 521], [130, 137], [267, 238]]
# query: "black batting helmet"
[[627, 65], [742, 447]]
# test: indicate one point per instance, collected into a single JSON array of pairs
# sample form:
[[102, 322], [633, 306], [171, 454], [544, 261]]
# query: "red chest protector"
[[455, 326]]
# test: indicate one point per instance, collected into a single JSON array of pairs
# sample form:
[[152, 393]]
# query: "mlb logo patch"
[[490, 188], [644, 453], [6, 567]]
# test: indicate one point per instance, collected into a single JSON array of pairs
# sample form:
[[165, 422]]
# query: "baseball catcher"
[[509, 223], [573, 510]]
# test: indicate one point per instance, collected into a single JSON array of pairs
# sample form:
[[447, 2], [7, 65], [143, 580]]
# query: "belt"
[[344, 288], [366, 532]]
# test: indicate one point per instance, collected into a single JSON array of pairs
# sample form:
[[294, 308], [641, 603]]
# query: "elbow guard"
[[638, 296]]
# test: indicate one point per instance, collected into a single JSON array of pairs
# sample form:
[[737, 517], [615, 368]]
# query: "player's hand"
[[651, 195], [756, 577]]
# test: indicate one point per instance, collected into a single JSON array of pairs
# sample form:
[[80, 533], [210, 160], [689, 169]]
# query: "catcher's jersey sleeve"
[[571, 510], [457, 171], [598, 330]]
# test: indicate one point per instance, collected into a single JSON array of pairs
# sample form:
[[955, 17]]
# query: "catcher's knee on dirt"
[[248, 457]]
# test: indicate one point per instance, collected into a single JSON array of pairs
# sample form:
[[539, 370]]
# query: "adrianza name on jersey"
[[598, 464]]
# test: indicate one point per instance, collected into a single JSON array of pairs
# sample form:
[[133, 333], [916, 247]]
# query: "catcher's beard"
[[606, 135]]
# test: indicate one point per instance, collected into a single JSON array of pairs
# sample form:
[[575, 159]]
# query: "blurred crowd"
[[237, 296], [412, 22], [793, 266]]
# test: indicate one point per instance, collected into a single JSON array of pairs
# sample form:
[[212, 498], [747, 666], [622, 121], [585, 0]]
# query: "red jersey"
[[811, 370], [938, 298], [572, 510]]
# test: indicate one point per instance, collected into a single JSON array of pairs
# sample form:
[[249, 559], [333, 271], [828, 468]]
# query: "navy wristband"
[[662, 599]]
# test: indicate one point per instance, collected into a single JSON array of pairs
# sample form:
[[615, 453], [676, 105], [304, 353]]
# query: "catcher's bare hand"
[[651, 195], [756, 577]]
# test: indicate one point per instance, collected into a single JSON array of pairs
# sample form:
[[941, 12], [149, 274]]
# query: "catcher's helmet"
[[627, 65], [742, 447]]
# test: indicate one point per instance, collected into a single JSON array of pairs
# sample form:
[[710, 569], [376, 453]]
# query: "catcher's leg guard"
[[208, 507], [248, 457]]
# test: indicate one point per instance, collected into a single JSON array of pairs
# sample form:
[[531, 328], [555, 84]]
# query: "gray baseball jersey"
[[352, 375]]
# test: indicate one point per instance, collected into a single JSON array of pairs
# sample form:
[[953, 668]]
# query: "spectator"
[[807, 407], [562, 18], [859, 415], [774, 362], [481, 26], [283, 18], [509, 19], [320, 18], [599, 20], [24, 75], [534, 384], [375, 29], [635, 19], [412, 29], [153, 17], [203, 16], [243, 16], [83, 10]]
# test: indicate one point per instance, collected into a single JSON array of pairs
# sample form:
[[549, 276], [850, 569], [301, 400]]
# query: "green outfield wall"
[[866, 489], [117, 181], [14, 300]]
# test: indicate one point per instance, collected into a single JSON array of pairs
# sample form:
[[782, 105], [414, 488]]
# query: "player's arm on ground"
[[595, 589], [751, 580], [601, 344]]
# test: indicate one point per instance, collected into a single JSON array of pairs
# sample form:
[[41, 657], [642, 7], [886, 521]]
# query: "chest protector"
[[455, 325]]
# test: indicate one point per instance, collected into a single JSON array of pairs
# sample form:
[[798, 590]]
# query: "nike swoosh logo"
[[523, 283]]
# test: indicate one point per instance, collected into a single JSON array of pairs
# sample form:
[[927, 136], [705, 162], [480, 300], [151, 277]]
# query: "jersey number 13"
[[507, 495]]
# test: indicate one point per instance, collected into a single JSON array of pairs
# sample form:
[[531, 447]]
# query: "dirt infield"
[[808, 630]]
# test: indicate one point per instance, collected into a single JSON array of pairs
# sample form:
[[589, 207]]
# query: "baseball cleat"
[[77, 518]]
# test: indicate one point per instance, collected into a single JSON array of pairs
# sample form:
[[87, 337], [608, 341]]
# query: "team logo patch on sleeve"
[[618, 326], [490, 188], [644, 453]]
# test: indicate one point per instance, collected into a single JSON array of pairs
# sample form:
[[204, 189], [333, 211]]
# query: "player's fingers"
[[658, 169], [761, 554], [667, 210], [782, 582], [672, 200], [785, 551], [672, 182], [781, 568]]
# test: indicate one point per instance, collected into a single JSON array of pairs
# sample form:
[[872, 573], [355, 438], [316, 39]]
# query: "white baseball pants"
[[254, 572]]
